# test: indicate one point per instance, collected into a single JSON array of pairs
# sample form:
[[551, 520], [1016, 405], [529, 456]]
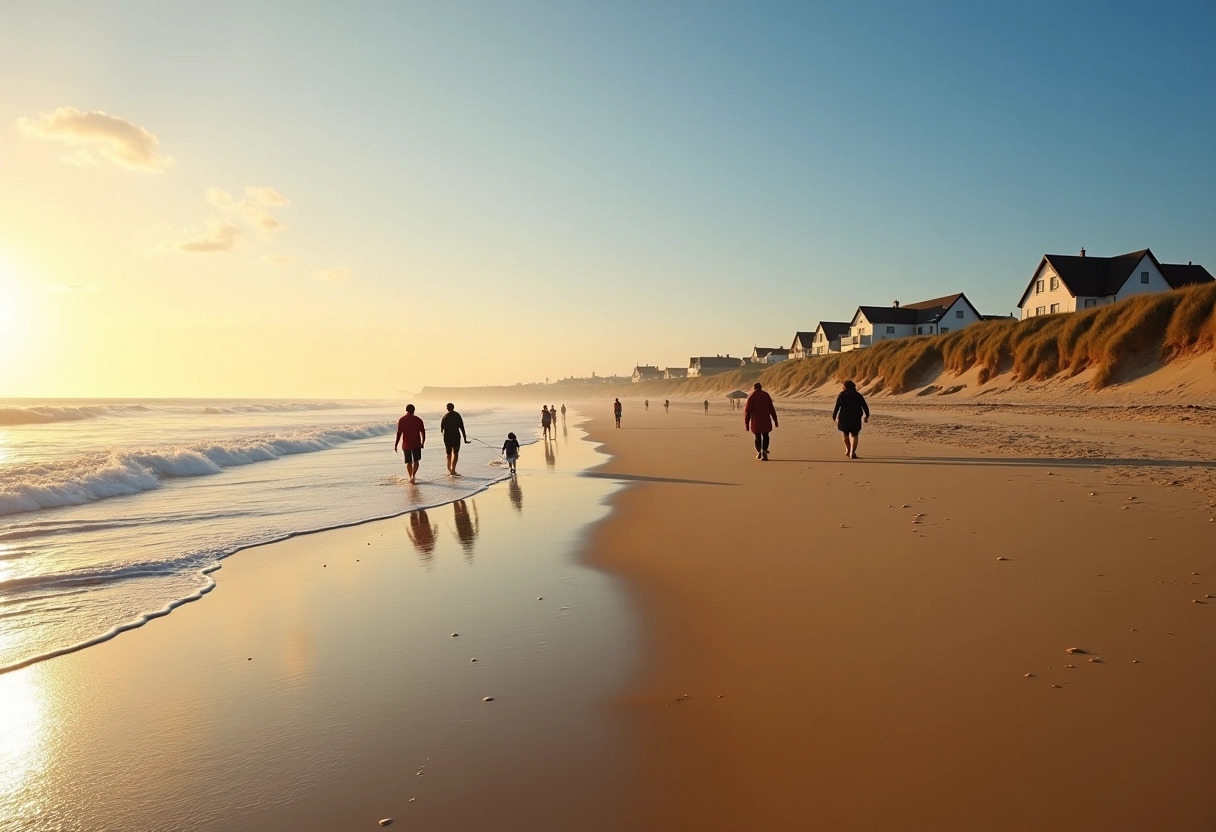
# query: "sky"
[[312, 199]]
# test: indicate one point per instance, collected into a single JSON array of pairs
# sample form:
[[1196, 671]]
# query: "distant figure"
[[616, 411], [707, 407], [546, 419], [646, 404], [510, 450], [848, 414], [452, 428], [411, 435], [760, 417], [563, 411], [666, 405]]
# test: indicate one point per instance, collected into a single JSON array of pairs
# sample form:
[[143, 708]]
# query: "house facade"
[[802, 345], [675, 372], [827, 336], [872, 324], [769, 355], [1072, 283], [645, 372], [709, 365]]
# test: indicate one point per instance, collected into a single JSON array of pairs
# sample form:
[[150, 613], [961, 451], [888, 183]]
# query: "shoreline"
[[818, 655], [321, 686]]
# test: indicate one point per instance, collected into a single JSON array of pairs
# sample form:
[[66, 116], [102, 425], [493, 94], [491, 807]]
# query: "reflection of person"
[[760, 417], [510, 449], [545, 419], [422, 533], [550, 455], [466, 525], [848, 414], [411, 434], [616, 411], [452, 428], [516, 495], [707, 407]]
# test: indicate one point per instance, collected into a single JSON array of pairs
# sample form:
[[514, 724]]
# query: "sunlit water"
[[114, 512]]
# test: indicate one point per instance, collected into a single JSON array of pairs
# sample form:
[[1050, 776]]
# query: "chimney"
[[1082, 252], [895, 304], [1188, 262]]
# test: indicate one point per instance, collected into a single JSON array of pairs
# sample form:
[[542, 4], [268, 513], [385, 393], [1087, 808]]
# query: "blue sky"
[[514, 191]]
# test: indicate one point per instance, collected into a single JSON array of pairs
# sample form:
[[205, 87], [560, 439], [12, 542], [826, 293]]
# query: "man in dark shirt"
[[848, 414], [452, 428], [411, 434]]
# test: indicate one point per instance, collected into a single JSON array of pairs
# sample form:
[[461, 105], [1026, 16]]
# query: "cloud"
[[95, 136], [340, 274], [220, 235], [277, 259], [254, 209]]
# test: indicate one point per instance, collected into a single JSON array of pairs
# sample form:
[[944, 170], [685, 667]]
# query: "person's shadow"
[[516, 495], [421, 532], [467, 526], [550, 455]]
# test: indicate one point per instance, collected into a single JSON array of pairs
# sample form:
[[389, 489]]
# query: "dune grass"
[[1110, 340]]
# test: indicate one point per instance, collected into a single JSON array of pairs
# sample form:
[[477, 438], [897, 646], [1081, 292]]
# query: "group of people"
[[411, 438], [548, 420], [851, 410]]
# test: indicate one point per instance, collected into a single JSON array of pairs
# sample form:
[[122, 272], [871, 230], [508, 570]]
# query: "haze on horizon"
[[225, 200]]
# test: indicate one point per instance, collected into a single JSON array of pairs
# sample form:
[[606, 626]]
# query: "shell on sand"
[[386, 821], [1072, 650]]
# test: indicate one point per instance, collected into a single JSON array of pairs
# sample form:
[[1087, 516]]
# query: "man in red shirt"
[[411, 434], [760, 417]]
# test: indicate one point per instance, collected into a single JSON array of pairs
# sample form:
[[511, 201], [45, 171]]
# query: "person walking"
[[563, 412], [510, 449], [646, 405], [666, 405], [760, 417], [452, 428], [411, 435], [707, 407], [616, 411], [546, 419], [848, 414]]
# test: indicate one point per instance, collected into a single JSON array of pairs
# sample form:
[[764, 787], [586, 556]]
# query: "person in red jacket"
[[411, 434], [760, 417]]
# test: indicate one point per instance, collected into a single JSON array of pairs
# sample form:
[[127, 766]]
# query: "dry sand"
[[880, 644]]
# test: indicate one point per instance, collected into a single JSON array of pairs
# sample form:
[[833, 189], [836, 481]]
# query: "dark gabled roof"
[[833, 329], [1178, 275], [645, 368], [763, 351], [1095, 276], [921, 312], [804, 338], [714, 361], [888, 314]]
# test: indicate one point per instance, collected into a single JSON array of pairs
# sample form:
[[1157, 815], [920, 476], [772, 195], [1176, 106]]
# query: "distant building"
[[709, 365], [872, 324], [801, 346], [826, 337], [646, 373], [675, 372], [1069, 282], [769, 355]]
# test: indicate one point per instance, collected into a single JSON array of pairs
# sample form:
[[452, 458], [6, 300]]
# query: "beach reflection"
[[422, 534], [466, 527], [22, 734], [550, 455], [516, 495]]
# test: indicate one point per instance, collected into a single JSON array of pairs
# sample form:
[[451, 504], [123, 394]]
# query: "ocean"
[[114, 512]]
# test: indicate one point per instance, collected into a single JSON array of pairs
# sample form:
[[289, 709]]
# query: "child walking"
[[510, 449]]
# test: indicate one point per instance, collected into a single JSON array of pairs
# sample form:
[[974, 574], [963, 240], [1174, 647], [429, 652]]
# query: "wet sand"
[[320, 687], [882, 643]]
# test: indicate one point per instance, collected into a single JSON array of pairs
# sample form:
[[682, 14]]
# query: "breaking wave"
[[96, 476]]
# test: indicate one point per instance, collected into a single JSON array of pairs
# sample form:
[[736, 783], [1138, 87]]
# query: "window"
[[1090, 303], [890, 330], [1039, 310], [958, 313], [1055, 283], [920, 330], [1055, 307], [943, 330], [1038, 286], [1144, 277]]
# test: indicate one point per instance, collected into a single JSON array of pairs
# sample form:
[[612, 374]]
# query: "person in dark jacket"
[[760, 417], [848, 414]]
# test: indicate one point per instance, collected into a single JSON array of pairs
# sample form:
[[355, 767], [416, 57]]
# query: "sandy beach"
[[884, 643]]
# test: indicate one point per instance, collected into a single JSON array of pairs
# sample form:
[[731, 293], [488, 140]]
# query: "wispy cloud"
[[340, 274], [219, 236], [254, 209], [277, 259], [97, 136]]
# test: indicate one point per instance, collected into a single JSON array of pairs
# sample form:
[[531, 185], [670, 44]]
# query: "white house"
[[675, 372], [708, 365], [827, 335], [872, 324], [802, 344], [1068, 282], [645, 372], [769, 355]]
